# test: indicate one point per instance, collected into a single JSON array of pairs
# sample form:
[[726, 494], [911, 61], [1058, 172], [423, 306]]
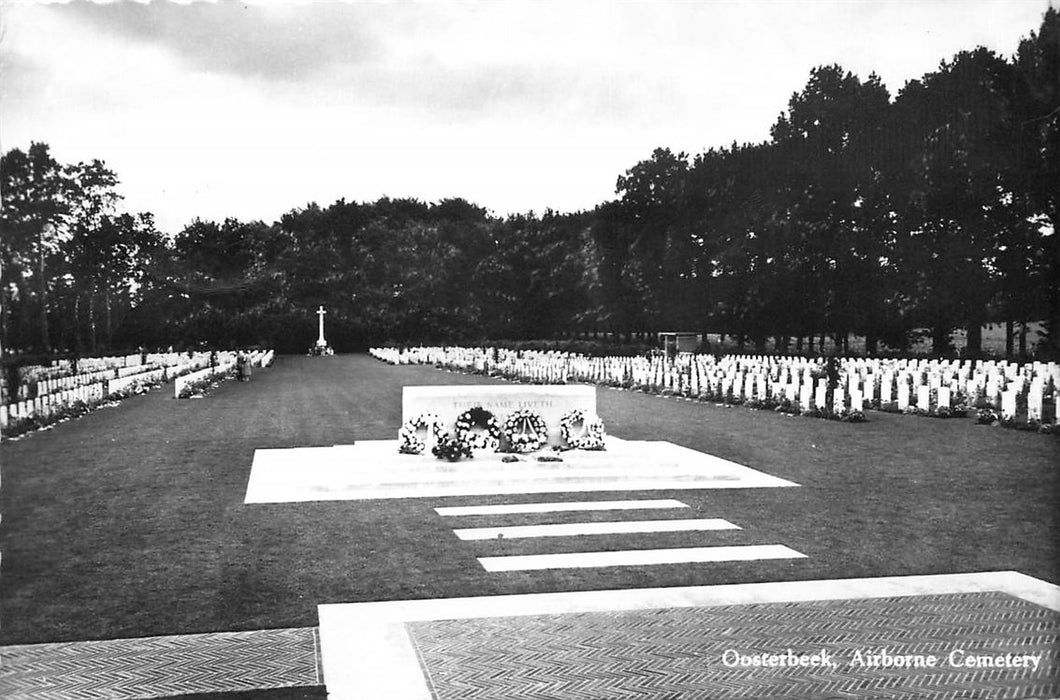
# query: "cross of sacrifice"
[[320, 338]]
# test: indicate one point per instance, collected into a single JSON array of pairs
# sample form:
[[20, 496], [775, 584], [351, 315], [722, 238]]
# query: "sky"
[[250, 110]]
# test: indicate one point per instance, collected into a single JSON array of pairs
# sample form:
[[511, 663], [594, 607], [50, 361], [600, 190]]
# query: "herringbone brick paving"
[[153, 667], [677, 653]]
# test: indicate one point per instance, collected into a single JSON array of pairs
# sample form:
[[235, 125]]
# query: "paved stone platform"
[[156, 667], [947, 636], [375, 469]]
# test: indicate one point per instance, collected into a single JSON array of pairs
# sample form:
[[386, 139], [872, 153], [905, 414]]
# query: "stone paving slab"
[[156, 667], [851, 648]]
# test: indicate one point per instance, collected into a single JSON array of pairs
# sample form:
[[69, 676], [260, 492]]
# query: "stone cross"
[[320, 337]]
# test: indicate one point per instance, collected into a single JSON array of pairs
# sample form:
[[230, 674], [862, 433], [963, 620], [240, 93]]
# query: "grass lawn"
[[130, 521]]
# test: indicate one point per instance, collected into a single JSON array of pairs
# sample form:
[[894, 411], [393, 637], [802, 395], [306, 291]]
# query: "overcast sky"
[[218, 110]]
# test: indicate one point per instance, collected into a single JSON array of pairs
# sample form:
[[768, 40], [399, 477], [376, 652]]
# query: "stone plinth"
[[550, 401]]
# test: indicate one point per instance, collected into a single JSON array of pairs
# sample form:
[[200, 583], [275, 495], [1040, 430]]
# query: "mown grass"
[[131, 522]]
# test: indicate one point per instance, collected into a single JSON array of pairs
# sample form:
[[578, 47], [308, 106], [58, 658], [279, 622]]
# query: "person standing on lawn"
[[831, 372]]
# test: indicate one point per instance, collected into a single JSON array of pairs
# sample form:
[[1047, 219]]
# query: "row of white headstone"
[[51, 403], [919, 385], [226, 361], [65, 367], [90, 387], [41, 380]]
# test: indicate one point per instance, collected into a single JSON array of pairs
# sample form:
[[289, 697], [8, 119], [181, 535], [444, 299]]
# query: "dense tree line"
[[862, 214]]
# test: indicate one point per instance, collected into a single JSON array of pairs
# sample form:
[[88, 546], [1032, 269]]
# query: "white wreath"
[[409, 439], [525, 431], [589, 437], [488, 439]]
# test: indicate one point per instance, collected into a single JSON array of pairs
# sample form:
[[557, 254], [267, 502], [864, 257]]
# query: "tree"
[[1037, 123], [36, 203], [222, 280], [959, 204], [97, 249], [830, 144], [544, 266], [653, 209]]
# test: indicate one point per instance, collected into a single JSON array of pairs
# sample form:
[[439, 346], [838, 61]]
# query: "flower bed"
[[21, 426], [198, 388]]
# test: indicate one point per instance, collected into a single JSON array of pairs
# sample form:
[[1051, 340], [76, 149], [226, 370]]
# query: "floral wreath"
[[525, 431], [450, 448], [591, 435], [410, 443], [489, 439]]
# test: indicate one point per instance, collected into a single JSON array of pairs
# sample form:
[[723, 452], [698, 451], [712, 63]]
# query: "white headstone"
[[993, 392], [944, 397], [903, 396], [1008, 404], [856, 401], [838, 399], [1034, 402], [923, 398]]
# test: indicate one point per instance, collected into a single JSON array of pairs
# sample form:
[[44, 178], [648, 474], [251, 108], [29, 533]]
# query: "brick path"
[[153, 667], [678, 652]]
